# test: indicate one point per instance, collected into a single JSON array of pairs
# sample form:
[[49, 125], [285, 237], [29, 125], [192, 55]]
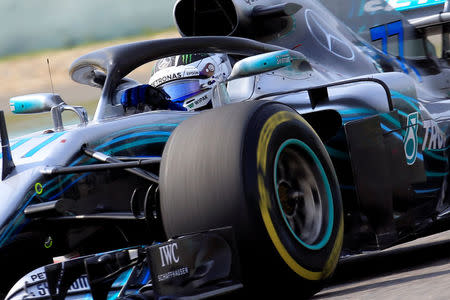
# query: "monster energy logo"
[[186, 58]]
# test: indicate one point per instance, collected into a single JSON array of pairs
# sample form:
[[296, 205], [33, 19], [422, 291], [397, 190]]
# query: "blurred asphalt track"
[[416, 270]]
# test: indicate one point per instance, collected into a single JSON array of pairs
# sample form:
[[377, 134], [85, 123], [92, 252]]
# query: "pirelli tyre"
[[261, 168]]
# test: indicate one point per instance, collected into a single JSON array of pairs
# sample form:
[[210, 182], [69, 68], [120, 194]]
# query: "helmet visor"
[[182, 89]]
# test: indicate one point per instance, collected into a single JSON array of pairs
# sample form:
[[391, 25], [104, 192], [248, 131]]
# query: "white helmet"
[[189, 79]]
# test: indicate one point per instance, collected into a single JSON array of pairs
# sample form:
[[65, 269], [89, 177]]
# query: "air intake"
[[206, 17]]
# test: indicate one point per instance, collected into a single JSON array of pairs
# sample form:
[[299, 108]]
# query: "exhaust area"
[[202, 18], [243, 18]]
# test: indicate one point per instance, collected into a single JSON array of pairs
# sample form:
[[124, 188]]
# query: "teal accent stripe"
[[427, 191], [122, 279], [415, 4], [43, 144], [15, 222], [419, 139], [133, 135], [66, 178], [113, 295], [436, 174], [138, 143], [17, 144], [405, 98], [402, 113], [109, 152], [149, 125], [337, 153], [357, 111], [438, 150], [435, 156], [420, 156], [390, 119], [54, 187], [18, 220]]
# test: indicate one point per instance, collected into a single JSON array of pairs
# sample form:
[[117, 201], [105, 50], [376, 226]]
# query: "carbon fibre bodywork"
[[382, 115]]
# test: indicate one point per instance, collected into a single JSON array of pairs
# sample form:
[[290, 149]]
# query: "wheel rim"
[[303, 194]]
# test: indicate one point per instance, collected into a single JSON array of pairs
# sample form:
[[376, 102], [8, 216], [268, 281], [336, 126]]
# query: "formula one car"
[[273, 138]]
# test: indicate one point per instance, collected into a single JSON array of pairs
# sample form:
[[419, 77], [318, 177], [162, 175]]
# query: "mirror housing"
[[47, 102], [261, 63], [34, 103]]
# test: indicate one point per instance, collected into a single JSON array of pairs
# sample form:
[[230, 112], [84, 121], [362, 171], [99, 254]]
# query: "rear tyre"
[[261, 168]]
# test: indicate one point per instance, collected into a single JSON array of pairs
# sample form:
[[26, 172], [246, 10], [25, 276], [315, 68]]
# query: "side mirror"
[[261, 63], [34, 103]]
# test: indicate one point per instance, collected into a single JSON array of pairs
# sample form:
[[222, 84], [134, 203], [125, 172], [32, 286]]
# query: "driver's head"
[[189, 79]]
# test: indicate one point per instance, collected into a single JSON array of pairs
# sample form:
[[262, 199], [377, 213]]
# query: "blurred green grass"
[[143, 35]]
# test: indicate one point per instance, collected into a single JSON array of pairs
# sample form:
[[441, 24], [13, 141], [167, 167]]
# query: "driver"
[[182, 82]]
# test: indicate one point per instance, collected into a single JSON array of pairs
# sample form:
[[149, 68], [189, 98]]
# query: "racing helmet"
[[189, 79]]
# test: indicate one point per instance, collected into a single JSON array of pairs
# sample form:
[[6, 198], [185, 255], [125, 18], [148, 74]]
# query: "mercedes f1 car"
[[273, 138]]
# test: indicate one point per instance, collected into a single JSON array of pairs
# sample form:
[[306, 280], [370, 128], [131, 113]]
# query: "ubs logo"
[[322, 33], [168, 255]]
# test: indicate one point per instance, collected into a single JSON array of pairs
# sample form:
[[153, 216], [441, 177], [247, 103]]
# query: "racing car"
[[272, 139]]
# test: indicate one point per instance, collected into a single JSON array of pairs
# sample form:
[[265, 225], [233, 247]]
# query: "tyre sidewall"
[[269, 128]]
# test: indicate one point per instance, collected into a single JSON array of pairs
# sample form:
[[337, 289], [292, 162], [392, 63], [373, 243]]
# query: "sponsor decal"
[[166, 78], [210, 67], [372, 6], [196, 102], [164, 63], [173, 274], [41, 289], [412, 4], [208, 70], [186, 58], [384, 33], [325, 36], [410, 142], [38, 188], [48, 242], [250, 2], [38, 276], [168, 255], [191, 73], [283, 59], [434, 137]]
